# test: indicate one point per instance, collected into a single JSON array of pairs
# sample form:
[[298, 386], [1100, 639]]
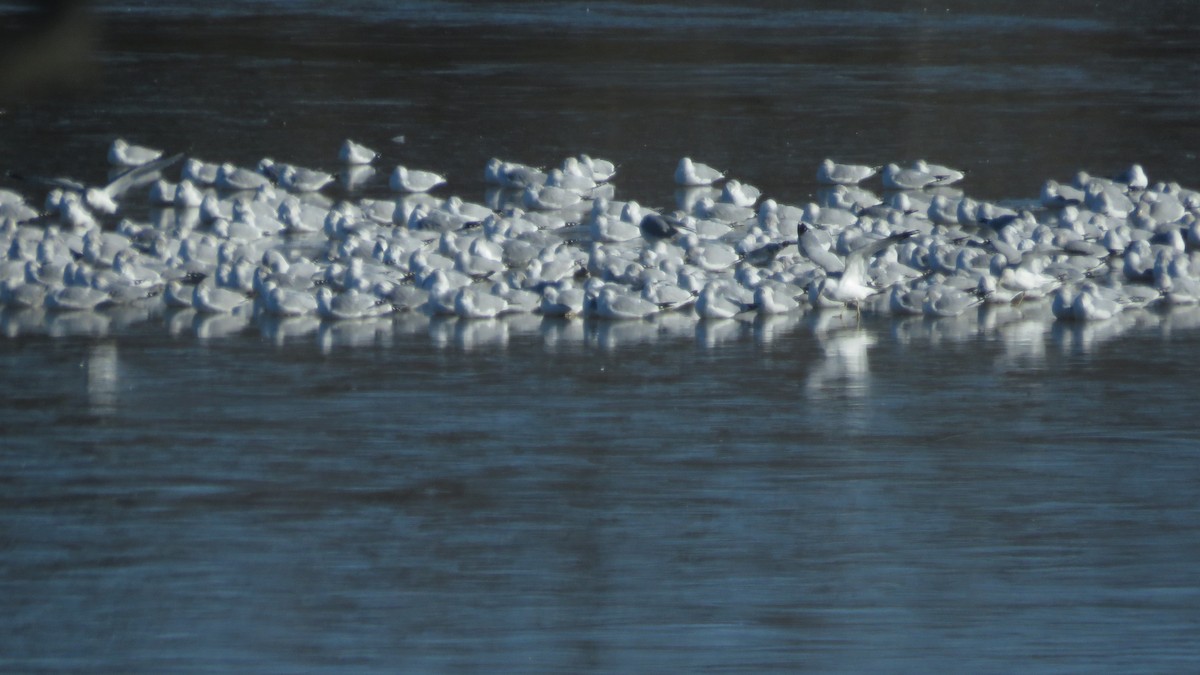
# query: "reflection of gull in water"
[[103, 378], [845, 366], [410, 323], [559, 332], [769, 328], [355, 177], [281, 329], [614, 334], [180, 320], [1085, 337], [481, 334], [78, 324], [825, 321], [441, 330], [210, 326], [1024, 343], [523, 324], [22, 321], [674, 324], [712, 333], [936, 331], [355, 333], [1180, 318]]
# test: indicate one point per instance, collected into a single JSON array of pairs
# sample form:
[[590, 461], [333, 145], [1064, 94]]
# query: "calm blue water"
[[995, 493]]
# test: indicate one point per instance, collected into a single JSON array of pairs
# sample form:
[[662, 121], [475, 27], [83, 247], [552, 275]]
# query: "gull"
[[907, 301], [279, 301], [208, 298], [851, 287], [946, 301], [767, 300], [1090, 305], [356, 154], [512, 174], [473, 303], [562, 301], [404, 179], [571, 166], [764, 255], [718, 300], [299, 179], [231, 177], [609, 229], [1061, 303], [27, 290], [829, 216], [655, 227], [1107, 199], [614, 304], [1028, 281], [477, 266], [349, 305], [1056, 195], [199, 171], [723, 212], [519, 300], [945, 175], [549, 198], [601, 170], [739, 194], [943, 210], [104, 199], [710, 256], [127, 264], [817, 250], [76, 298], [298, 216], [832, 173], [850, 198], [122, 153], [178, 295], [187, 195], [443, 287], [583, 185], [896, 178], [1134, 177], [668, 294], [689, 173]]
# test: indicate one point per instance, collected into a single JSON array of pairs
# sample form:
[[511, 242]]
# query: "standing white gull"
[[851, 286]]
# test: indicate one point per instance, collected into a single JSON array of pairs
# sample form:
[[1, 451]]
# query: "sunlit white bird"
[[602, 170], [896, 178], [832, 173], [356, 153], [944, 174], [689, 173], [122, 153], [404, 179]]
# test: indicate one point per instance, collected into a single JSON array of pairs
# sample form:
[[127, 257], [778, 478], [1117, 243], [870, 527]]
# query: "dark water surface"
[[995, 493]]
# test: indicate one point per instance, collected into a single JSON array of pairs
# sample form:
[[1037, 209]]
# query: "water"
[[992, 493]]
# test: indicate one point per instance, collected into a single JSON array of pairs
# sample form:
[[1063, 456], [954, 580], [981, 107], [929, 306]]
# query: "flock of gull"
[[266, 243]]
